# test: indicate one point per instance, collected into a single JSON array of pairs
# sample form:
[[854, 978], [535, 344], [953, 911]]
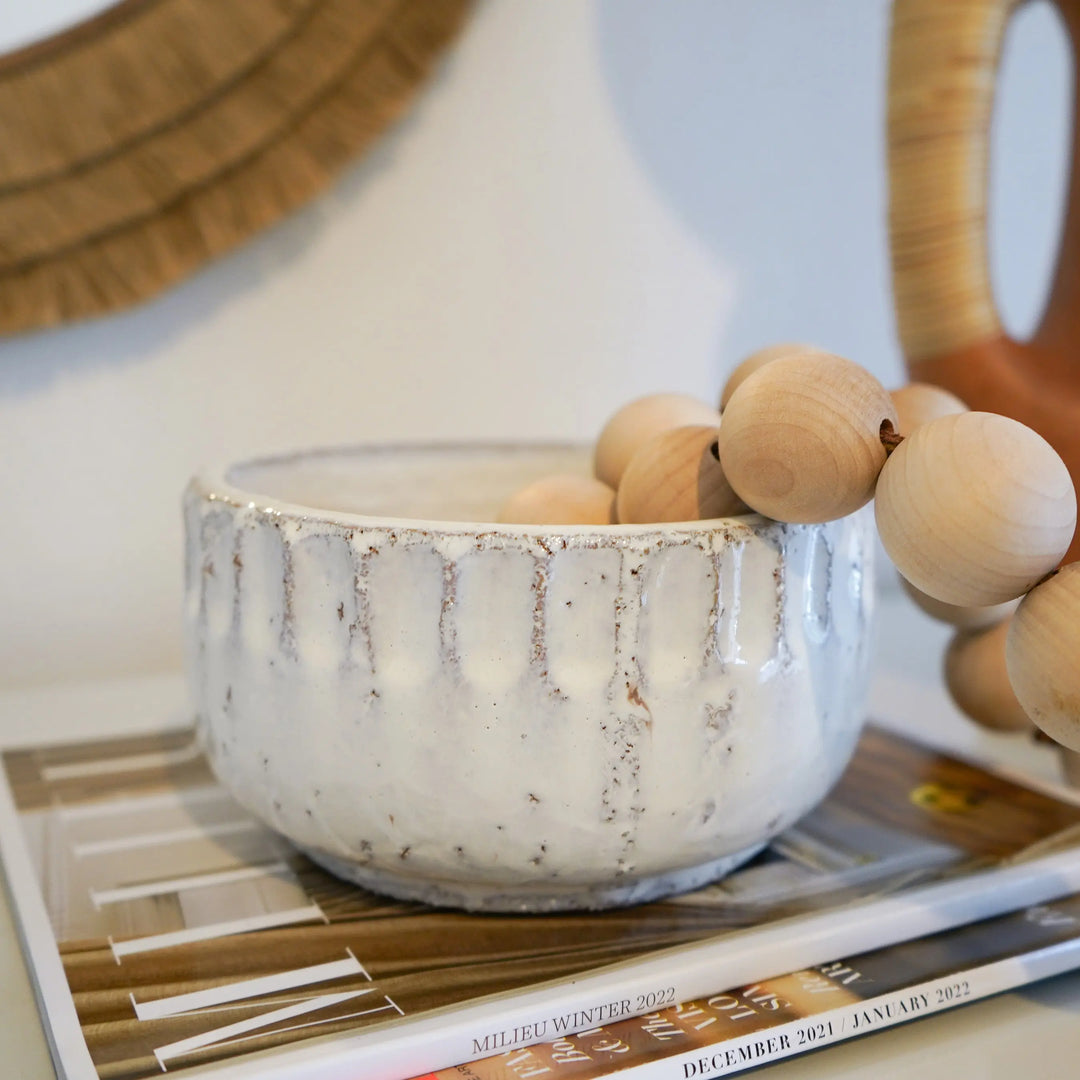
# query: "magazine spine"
[[726, 1057], [691, 971]]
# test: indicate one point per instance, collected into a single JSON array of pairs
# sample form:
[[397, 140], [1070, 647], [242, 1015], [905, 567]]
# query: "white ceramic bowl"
[[514, 717]]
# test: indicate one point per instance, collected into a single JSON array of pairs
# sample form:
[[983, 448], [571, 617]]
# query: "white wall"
[[593, 199]]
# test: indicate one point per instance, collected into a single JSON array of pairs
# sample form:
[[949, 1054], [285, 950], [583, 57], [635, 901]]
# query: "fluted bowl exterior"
[[520, 717]]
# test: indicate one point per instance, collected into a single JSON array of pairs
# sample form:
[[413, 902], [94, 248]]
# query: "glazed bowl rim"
[[213, 484]]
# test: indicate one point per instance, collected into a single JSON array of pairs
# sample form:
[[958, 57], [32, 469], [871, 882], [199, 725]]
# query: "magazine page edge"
[[37, 943]]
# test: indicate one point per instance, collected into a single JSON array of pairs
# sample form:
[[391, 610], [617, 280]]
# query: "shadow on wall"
[[31, 361], [785, 100]]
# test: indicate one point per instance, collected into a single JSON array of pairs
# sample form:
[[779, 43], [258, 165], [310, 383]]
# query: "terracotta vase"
[[942, 68]]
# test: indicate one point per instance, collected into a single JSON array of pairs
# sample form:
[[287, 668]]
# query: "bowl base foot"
[[534, 897]]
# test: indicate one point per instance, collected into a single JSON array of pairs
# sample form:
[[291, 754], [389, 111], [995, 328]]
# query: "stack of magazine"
[[166, 930]]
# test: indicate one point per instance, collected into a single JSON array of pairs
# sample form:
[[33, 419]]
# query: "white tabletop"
[[1033, 1032]]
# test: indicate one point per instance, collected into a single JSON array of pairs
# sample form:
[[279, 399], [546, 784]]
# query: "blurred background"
[[588, 201]]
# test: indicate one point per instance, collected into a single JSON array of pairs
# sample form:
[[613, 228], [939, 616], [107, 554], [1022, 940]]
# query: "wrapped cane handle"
[[943, 64]]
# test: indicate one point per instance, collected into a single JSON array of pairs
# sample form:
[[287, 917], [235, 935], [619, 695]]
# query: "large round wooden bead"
[[975, 508], [561, 499], [978, 681], [919, 403], [745, 368], [801, 439], [636, 423], [676, 476], [963, 618], [1043, 655]]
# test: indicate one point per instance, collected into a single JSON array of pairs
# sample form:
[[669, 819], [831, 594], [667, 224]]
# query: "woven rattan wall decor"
[[159, 134]]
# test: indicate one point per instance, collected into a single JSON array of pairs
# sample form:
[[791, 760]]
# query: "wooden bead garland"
[[742, 371], [801, 437], [976, 677], [975, 508], [677, 476], [1043, 655], [919, 403], [636, 423], [561, 499], [963, 618]]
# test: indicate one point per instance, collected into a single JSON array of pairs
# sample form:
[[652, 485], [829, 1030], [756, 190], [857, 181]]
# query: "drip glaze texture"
[[508, 717]]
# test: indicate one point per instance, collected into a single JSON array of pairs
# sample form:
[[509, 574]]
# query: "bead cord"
[[890, 438]]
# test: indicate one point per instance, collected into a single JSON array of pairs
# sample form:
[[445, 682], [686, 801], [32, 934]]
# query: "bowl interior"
[[429, 483]]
